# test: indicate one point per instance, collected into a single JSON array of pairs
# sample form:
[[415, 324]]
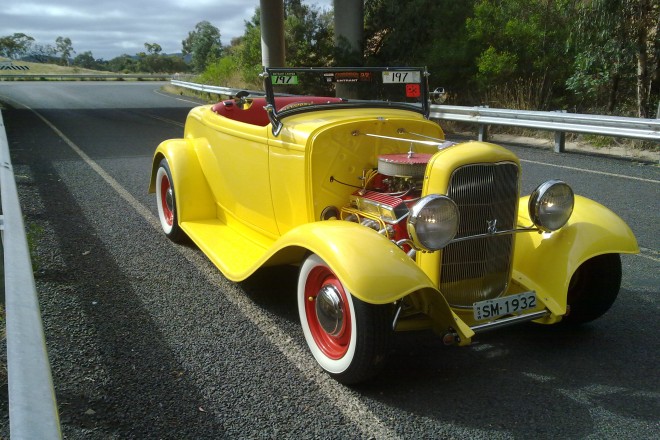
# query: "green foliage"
[[204, 44], [222, 72], [424, 33], [42, 53], [86, 61], [308, 35], [123, 63], [153, 48], [521, 39], [156, 63], [16, 45], [493, 63], [617, 45], [64, 47], [248, 50], [33, 233]]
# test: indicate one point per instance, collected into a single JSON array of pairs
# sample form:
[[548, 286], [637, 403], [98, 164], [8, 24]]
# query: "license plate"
[[401, 77], [492, 308]]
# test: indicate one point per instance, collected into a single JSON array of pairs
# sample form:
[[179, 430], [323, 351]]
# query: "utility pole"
[[349, 23], [272, 33]]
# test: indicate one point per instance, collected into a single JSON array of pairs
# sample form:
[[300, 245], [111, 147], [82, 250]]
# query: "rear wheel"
[[348, 337], [593, 288], [166, 202]]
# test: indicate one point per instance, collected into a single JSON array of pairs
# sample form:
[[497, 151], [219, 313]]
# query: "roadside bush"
[[223, 72]]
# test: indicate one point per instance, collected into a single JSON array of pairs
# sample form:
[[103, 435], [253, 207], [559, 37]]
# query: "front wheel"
[[166, 202], [348, 337], [593, 288]]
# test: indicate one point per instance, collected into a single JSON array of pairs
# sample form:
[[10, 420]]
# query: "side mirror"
[[439, 95]]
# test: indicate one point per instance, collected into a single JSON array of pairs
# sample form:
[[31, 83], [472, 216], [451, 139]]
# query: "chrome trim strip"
[[415, 141], [509, 321], [493, 234]]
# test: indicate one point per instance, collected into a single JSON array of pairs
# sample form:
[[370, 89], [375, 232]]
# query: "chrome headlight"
[[551, 205], [433, 222]]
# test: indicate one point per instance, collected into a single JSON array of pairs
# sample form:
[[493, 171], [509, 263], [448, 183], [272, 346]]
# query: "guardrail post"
[[483, 132], [560, 141], [483, 129], [560, 138]]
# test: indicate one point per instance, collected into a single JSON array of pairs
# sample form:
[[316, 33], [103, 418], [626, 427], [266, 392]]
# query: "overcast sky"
[[109, 28]]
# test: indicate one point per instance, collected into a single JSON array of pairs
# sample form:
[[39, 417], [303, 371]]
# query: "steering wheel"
[[242, 101]]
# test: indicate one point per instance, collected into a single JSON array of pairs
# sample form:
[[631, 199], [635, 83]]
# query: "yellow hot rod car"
[[340, 172]]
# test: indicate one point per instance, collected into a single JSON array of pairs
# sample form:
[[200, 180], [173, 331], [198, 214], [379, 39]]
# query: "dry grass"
[[45, 69]]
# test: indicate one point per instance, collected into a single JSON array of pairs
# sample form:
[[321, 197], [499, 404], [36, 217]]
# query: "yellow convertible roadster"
[[340, 172]]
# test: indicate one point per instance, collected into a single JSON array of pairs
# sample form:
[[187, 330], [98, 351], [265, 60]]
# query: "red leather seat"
[[256, 114]]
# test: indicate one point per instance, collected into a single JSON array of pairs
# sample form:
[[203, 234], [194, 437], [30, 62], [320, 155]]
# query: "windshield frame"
[[276, 116]]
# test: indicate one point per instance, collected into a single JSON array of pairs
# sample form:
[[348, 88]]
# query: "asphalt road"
[[148, 340]]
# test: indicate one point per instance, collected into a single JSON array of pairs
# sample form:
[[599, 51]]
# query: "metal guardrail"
[[32, 404], [84, 76], [216, 90], [559, 122]]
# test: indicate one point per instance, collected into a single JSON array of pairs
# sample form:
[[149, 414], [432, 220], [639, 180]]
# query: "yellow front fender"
[[373, 268], [546, 262]]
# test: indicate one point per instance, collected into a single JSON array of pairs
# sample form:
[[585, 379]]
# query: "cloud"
[[109, 28]]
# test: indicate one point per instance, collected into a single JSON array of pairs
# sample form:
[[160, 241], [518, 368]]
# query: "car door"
[[235, 162]]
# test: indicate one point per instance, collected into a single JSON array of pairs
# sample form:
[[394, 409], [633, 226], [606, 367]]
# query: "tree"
[[153, 48], [16, 45], [438, 39], [64, 47], [204, 44], [86, 61], [152, 61], [618, 50], [123, 63], [42, 53], [248, 49], [521, 42], [308, 35]]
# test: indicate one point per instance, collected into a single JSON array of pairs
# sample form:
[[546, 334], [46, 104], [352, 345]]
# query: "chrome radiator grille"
[[479, 269]]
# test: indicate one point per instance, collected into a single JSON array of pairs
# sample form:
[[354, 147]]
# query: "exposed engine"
[[388, 192]]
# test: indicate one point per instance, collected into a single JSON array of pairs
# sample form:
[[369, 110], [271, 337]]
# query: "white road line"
[[650, 254], [622, 176], [157, 92], [344, 399]]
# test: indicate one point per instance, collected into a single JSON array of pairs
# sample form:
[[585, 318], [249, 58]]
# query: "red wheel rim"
[[164, 190], [332, 346]]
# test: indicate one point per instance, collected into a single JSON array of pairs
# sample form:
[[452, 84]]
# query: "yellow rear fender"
[[194, 199], [372, 268], [546, 262]]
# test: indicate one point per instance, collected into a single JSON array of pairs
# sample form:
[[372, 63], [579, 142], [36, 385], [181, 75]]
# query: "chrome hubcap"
[[169, 199], [330, 310]]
